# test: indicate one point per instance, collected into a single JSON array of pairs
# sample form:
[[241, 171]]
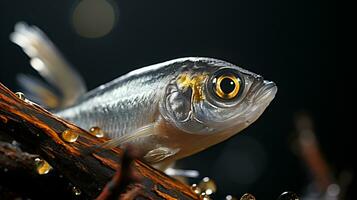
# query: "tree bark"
[[40, 132]]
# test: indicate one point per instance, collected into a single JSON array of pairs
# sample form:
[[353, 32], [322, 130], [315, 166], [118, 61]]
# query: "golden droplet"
[[76, 191], [195, 189], [230, 197], [247, 196], [42, 166], [207, 186], [96, 131], [69, 136], [21, 95]]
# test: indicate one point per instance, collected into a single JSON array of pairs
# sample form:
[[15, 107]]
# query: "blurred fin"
[[38, 91], [48, 61], [182, 172]]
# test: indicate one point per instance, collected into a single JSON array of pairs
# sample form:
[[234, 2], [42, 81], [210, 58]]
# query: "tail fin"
[[51, 65]]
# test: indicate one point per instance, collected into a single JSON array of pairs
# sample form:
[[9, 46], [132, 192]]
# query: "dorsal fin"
[[51, 65]]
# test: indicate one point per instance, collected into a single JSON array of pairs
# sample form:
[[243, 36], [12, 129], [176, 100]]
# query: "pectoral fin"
[[144, 131], [159, 154]]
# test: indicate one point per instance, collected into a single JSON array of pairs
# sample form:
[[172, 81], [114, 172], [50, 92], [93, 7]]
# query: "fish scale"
[[122, 109]]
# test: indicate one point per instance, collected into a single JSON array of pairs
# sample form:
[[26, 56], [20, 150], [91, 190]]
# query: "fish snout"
[[266, 91]]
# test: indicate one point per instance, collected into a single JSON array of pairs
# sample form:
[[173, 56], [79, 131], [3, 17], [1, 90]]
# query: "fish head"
[[209, 96]]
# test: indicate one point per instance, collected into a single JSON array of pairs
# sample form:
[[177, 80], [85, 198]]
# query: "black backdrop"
[[290, 42]]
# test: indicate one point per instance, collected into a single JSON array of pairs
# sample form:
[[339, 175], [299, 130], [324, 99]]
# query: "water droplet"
[[76, 191], [96, 131], [247, 196], [15, 143], [230, 197], [205, 196], [21, 95], [69, 136], [208, 186], [288, 196], [196, 189], [42, 166]]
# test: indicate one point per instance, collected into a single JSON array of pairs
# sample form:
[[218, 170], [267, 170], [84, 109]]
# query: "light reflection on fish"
[[168, 111]]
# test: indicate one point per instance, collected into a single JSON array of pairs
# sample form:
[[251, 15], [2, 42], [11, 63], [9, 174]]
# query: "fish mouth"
[[266, 92]]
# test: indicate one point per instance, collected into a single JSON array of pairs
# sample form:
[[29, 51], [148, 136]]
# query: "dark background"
[[290, 42]]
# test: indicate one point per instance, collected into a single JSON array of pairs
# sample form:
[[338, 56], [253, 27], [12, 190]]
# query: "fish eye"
[[227, 85]]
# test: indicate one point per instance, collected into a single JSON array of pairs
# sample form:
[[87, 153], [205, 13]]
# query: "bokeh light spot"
[[94, 18]]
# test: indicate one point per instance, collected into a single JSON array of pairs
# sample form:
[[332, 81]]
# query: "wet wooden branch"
[[42, 133]]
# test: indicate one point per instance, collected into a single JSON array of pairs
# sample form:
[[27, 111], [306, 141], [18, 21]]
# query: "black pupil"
[[227, 85]]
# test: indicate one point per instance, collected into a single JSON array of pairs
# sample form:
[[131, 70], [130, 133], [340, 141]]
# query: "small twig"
[[119, 186]]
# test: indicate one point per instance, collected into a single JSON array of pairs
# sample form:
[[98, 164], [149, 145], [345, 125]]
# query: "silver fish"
[[169, 110]]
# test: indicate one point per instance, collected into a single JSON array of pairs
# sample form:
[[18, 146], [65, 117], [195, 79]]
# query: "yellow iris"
[[227, 86]]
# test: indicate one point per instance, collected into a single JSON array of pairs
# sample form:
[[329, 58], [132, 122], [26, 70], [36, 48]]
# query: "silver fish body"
[[144, 97], [167, 111]]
